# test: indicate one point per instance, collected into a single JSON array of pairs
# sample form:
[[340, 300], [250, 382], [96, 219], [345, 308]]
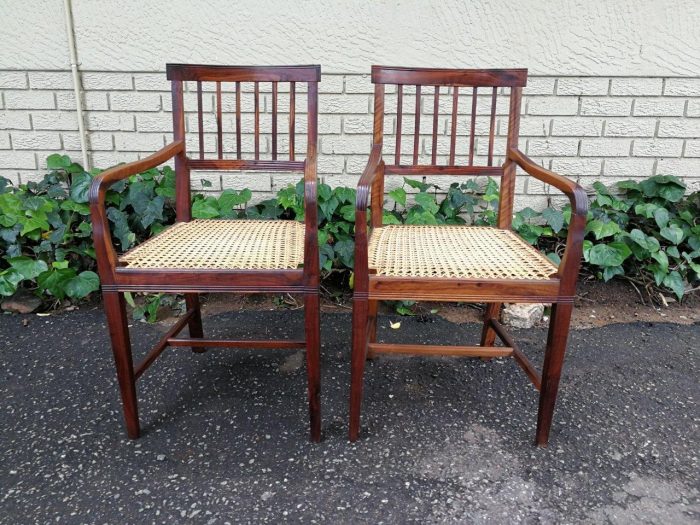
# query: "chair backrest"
[[479, 90], [229, 103]]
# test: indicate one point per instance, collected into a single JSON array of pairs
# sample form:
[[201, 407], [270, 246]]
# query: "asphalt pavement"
[[444, 440]]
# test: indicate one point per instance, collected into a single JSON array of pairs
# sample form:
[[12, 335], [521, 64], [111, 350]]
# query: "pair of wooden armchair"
[[432, 263]]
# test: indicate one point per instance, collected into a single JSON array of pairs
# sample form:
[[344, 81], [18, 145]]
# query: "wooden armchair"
[[194, 256], [459, 263]]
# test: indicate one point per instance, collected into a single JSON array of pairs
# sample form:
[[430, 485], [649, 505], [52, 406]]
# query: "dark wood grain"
[[369, 287], [416, 127], [219, 124], [399, 124], [449, 77], [117, 278], [472, 129], [213, 73], [432, 350], [238, 120], [200, 119], [292, 117], [256, 99], [436, 108], [492, 125], [274, 121], [453, 131]]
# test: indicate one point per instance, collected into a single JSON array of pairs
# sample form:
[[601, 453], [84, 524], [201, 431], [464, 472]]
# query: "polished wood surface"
[[369, 288], [117, 279], [432, 350]]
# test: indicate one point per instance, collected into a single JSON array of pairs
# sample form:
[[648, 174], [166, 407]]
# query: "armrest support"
[[568, 269], [106, 256], [367, 179], [362, 197]]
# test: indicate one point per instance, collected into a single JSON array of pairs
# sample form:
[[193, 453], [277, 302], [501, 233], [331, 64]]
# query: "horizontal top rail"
[[310, 73], [449, 77]]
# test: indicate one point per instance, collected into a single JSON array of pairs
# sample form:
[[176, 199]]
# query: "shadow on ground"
[[444, 440]]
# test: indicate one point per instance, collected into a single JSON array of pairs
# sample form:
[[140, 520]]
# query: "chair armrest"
[[568, 269], [364, 187], [106, 256], [367, 179]]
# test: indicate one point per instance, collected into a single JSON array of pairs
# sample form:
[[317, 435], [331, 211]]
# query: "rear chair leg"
[[359, 354], [312, 313], [373, 306], [488, 334], [195, 322], [551, 370], [115, 310]]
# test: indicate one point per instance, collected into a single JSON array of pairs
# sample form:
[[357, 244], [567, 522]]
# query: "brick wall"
[[587, 128]]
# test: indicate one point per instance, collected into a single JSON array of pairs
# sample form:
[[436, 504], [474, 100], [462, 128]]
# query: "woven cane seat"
[[222, 244], [458, 252]]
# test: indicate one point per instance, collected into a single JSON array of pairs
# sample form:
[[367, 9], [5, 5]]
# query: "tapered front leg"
[[551, 370], [195, 322], [312, 312], [359, 354], [115, 310]]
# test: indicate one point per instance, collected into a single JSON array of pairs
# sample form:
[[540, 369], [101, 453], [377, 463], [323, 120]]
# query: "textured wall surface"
[[614, 90], [551, 37]]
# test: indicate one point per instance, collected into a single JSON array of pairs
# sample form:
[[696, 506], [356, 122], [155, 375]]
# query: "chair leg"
[[372, 308], [360, 312], [312, 313], [195, 322], [488, 335], [115, 310], [551, 370]]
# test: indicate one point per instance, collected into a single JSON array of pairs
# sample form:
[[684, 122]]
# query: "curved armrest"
[[362, 196], [106, 256], [367, 178], [568, 269]]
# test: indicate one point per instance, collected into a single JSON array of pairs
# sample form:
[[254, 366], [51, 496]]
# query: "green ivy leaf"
[[661, 258], [674, 281], [57, 161], [420, 186], [9, 279], [427, 202], [673, 252], [121, 228], [611, 271], [647, 242], [672, 233], [399, 195], [390, 218], [27, 267], [345, 251], [602, 229], [605, 255], [205, 208], [31, 224], [54, 281], [153, 211], [554, 258], [324, 192], [661, 217], [80, 186], [419, 216], [82, 284], [554, 218]]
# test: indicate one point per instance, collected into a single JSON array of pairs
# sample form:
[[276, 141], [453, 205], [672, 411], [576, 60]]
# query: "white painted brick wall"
[[587, 128]]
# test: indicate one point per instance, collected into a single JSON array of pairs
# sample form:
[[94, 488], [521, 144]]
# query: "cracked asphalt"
[[444, 440]]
